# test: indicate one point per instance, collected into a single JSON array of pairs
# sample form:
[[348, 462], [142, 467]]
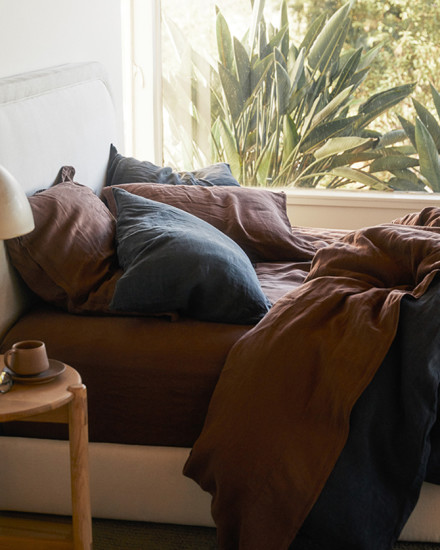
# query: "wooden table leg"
[[79, 469]]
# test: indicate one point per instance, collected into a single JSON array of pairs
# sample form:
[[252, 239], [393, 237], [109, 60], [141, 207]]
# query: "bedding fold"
[[390, 449], [280, 414]]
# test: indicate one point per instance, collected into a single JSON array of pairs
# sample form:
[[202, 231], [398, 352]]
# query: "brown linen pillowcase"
[[256, 219], [69, 259]]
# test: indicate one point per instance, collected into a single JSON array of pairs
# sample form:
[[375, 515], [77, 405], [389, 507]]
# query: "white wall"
[[35, 34]]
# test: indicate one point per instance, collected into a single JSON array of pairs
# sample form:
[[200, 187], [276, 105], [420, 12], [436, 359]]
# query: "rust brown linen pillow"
[[256, 219], [69, 259]]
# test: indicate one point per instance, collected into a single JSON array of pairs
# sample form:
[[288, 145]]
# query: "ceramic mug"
[[27, 358]]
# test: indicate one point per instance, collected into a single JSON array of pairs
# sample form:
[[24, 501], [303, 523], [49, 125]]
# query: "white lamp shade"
[[15, 211]]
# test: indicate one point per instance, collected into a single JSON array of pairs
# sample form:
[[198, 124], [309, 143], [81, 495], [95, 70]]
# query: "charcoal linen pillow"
[[130, 170], [69, 259], [173, 261], [256, 219]]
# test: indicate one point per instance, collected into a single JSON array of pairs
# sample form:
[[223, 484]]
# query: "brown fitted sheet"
[[149, 380]]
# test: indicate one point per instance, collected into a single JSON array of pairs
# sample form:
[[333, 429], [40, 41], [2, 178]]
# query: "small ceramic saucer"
[[54, 370]]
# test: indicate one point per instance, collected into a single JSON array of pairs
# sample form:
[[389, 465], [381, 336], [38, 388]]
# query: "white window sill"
[[352, 209]]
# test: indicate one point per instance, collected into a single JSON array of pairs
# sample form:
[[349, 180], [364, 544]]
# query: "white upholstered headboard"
[[59, 116], [55, 117]]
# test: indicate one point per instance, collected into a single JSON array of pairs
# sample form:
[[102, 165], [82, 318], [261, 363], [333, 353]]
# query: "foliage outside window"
[[319, 111]]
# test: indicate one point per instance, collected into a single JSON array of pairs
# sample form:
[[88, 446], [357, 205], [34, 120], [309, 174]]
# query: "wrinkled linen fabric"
[[174, 261], [390, 449], [256, 219], [280, 414]]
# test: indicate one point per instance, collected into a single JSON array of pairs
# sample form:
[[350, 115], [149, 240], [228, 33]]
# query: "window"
[[331, 112]]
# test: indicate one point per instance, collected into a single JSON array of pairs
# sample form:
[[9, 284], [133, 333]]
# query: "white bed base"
[[131, 482], [65, 116], [128, 482]]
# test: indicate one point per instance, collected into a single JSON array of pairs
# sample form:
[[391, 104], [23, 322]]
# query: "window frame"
[[143, 100]]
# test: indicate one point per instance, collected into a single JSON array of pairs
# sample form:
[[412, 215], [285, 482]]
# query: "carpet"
[[132, 535]]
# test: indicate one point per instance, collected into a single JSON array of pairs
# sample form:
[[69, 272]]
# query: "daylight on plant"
[[289, 94]]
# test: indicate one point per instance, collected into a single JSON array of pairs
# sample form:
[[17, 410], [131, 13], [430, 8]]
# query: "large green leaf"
[[319, 135], [265, 162], [347, 72], [282, 83], [392, 137], [327, 40], [218, 106], [312, 33], [410, 175], [391, 163], [262, 39], [276, 42], [436, 99], [369, 56], [296, 104], [328, 65], [284, 24], [404, 149], [243, 65], [359, 77], [402, 184], [309, 114], [381, 102], [224, 43], [352, 157], [232, 90], [231, 149], [356, 175], [257, 15], [290, 137], [331, 108], [261, 71], [297, 70], [335, 146], [406, 180], [410, 129], [429, 122], [428, 156], [279, 58]]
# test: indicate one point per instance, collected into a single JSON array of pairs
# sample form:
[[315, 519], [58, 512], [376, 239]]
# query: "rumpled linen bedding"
[[312, 430], [318, 433]]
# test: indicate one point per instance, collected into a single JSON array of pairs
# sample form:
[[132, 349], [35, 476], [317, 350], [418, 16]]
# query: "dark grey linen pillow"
[[122, 170], [173, 261]]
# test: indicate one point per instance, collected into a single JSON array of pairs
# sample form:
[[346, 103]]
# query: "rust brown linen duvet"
[[280, 413]]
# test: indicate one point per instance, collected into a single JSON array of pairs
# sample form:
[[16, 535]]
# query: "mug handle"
[[7, 355]]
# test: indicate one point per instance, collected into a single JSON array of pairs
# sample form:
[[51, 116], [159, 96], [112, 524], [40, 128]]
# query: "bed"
[[151, 377]]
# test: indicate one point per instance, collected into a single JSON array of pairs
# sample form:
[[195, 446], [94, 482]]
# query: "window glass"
[[305, 93]]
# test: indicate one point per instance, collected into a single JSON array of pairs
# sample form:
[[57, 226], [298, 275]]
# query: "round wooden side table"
[[64, 400]]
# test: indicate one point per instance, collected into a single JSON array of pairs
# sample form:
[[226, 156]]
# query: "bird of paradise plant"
[[283, 114]]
